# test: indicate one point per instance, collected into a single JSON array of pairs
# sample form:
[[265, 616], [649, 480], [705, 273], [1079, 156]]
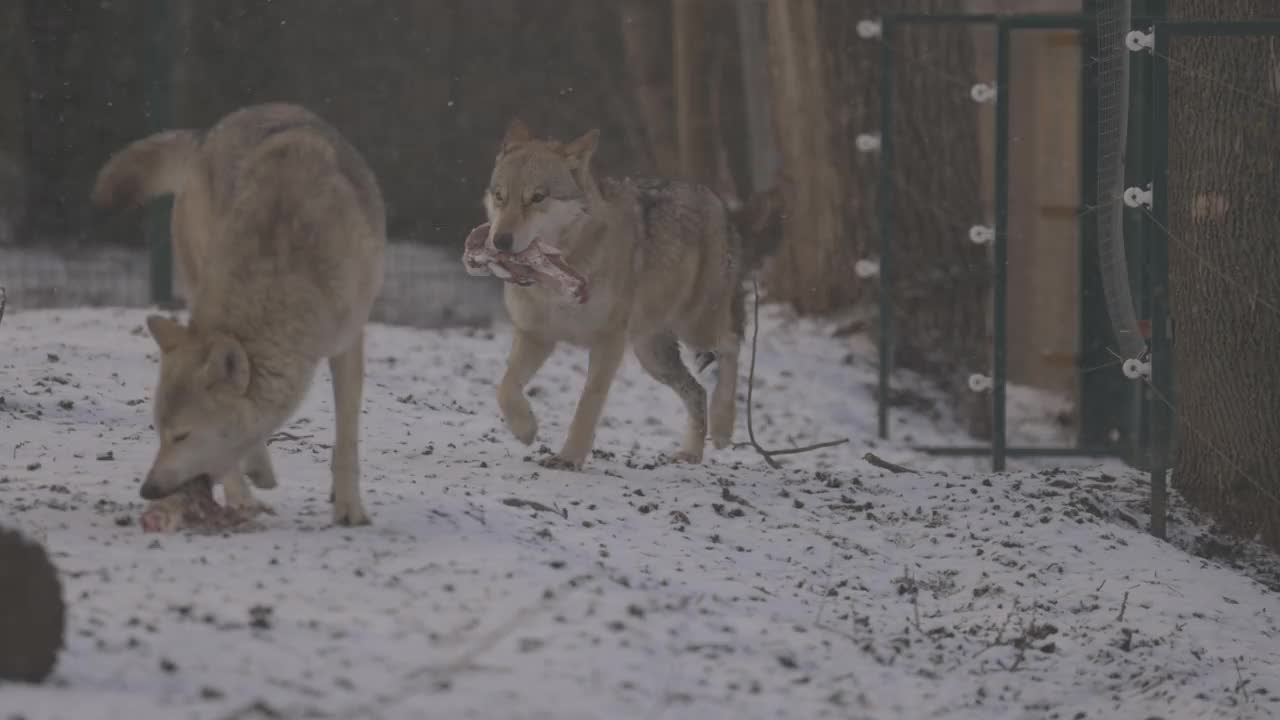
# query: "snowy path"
[[828, 589]]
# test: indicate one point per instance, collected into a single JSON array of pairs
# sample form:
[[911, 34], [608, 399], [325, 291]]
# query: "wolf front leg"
[[528, 354], [237, 495], [606, 355], [257, 467], [347, 370]]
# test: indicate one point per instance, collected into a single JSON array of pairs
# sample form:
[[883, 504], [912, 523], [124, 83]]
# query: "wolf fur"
[[278, 231], [664, 266]]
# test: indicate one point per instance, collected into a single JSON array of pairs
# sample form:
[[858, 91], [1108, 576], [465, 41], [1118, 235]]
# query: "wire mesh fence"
[[424, 285], [1218, 229], [986, 179], [935, 185]]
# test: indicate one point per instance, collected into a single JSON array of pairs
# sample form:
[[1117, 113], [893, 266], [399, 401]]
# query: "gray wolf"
[[663, 266], [278, 231]]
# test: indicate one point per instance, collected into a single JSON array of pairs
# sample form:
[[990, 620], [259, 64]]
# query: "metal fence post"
[[1158, 258], [1000, 339], [885, 220], [1136, 233]]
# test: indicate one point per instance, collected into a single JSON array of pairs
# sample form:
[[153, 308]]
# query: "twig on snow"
[[769, 455], [535, 506], [883, 464], [282, 435], [1241, 682]]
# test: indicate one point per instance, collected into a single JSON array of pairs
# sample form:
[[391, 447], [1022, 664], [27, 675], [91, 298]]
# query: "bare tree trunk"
[[1224, 269], [757, 90], [813, 268], [646, 39], [691, 56]]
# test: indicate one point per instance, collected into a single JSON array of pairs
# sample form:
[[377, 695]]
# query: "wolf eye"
[[537, 197], [180, 437], [497, 196]]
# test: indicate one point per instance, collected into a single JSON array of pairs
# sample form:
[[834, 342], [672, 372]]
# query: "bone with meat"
[[191, 508], [537, 264]]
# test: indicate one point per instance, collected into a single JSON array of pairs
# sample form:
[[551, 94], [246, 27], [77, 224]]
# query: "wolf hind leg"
[[725, 395], [659, 355], [347, 370]]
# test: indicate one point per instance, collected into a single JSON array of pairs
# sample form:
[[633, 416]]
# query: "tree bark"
[[762, 155], [812, 270], [691, 59], [1224, 269], [646, 41]]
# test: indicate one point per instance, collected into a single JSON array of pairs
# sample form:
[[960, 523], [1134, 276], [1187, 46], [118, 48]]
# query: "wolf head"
[[202, 412], [538, 189]]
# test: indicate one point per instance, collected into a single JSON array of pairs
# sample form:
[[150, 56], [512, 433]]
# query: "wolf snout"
[[153, 489], [159, 485], [504, 242]]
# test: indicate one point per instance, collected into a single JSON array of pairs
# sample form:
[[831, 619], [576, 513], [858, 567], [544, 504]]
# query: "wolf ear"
[[168, 334], [579, 152], [517, 133], [228, 364]]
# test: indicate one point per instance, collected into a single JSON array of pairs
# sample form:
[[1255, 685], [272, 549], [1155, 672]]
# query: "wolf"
[[662, 263], [279, 231]]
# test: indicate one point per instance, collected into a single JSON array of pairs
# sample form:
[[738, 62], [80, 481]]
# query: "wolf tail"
[[759, 225], [153, 166]]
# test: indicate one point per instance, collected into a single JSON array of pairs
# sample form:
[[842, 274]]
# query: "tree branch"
[[769, 455]]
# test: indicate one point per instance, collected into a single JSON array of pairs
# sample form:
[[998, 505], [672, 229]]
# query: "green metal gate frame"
[[1005, 26]]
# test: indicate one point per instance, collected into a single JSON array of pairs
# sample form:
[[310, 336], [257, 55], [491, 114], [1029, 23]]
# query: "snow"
[[489, 587]]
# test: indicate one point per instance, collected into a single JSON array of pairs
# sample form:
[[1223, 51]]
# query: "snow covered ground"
[[489, 587]]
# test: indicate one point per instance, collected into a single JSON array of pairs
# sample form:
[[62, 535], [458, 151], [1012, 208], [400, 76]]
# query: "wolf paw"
[[251, 507], [521, 421], [687, 457], [722, 440], [350, 513], [524, 428], [555, 462]]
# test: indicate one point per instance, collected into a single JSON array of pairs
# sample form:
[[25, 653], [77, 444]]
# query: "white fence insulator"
[[979, 382], [868, 142], [867, 269], [870, 29], [1138, 41], [982, 234], [1136, 369], [983, 92], [1138, 197]]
